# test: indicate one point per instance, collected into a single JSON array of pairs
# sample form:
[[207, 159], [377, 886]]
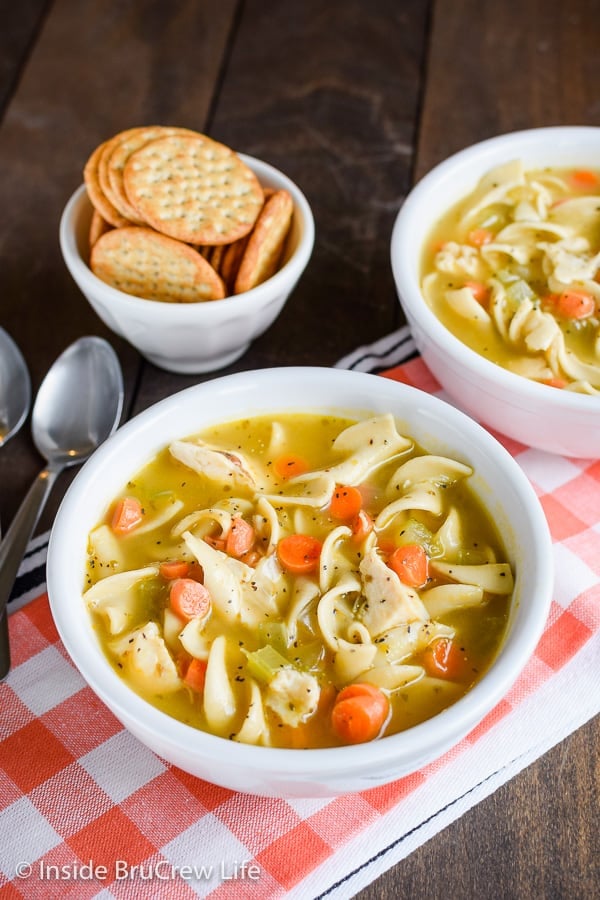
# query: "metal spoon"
[[78, 406], [15, 400], [15, 388]]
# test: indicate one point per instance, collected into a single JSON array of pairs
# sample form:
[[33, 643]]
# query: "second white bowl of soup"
[[495, 255], [300, 582]]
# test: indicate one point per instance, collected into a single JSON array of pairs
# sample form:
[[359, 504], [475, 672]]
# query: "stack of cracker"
[[179, 217]]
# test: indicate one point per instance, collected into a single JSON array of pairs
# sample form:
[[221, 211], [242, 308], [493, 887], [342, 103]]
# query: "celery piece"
[[518, 291], [152, 592], [265, 663], [275, 634], [414, 532], [506, 276]]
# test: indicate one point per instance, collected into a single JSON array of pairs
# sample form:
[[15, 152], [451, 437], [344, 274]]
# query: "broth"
[[356, 616], [526, 247]]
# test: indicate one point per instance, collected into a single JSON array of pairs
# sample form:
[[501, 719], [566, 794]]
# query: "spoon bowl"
[[78, 403], [78, 406], [15, 388]]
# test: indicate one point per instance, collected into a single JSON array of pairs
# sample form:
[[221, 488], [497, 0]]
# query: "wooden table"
[[355, 101]]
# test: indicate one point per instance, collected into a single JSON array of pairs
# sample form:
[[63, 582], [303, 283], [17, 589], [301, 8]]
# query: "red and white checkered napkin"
[[86, 810]]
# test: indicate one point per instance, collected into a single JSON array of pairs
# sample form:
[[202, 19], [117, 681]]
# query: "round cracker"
[[216, 257], [266, 242], [231, 262], [193, 189], [99, 199], [125, 209], [151, 266], [98, 227], [114, 161]]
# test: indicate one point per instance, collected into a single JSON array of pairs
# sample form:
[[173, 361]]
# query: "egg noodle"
[[299, 580], [512, 271]]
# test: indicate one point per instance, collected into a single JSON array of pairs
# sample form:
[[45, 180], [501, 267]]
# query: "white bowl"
[[191, 337], [435, 425], [534, 414]]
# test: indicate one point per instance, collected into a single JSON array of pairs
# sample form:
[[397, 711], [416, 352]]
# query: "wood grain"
[[497, 67], [528, 839], [340, 122], [20, 25], [88, 76], [353, 100], [491, 68]]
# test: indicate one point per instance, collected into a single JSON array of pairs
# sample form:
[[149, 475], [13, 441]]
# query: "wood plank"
[[89, 75], [532, 838], [299, 94], [497, 67], [20, 25], [492, 68]]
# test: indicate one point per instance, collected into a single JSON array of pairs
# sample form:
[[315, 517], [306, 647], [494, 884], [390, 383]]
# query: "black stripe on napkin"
[[389, 351]]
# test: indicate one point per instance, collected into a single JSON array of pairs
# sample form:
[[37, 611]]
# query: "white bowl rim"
[[411, 294], [208, 309], [336, 760]]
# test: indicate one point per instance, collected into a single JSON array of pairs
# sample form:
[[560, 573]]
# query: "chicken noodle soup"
[[512, 271], [299, 581]]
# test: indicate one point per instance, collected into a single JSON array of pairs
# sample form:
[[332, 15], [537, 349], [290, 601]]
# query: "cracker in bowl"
[[265, 245], [115, 157], [152, 266], [193, 189], [98, 227], [189, 188], [99, 199]]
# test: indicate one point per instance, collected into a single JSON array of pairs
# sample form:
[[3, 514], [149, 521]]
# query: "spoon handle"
[[17, 537], [4, 646]]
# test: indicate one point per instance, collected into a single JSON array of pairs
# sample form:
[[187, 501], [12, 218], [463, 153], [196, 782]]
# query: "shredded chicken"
[[388, 602], [293, 695], [219, 465], [144, 655]]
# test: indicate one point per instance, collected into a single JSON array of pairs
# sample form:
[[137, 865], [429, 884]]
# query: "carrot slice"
[[290, 465], [195, 571], [240, 538], [359, 713], [174, 568], [444, 659], [555, 382], [364, 689], [480, 236], [584, 178], [299, 553], [411, 564], [480, 291], [127, 515], [195, 675], [575, 304], [215, 543], [361, 525], [251, 558], [327, 697], [189, 599], [346, 502]]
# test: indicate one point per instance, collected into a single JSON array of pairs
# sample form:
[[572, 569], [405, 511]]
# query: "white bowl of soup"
[[205, 335], [300, 581], [495, 259]]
